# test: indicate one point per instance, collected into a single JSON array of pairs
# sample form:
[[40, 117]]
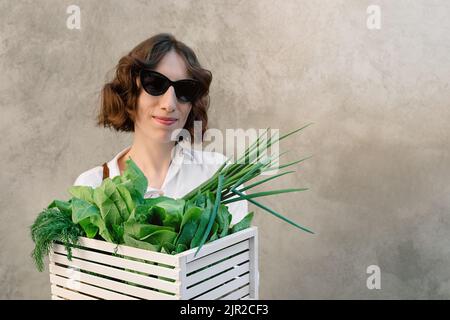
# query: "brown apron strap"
[[105, 171]]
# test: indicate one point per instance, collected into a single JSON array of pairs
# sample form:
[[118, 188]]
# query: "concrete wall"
[[379, 99]]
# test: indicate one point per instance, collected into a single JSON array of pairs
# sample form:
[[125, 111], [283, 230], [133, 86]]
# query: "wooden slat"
[[214, 282], [218, 244], [120, 262], [254, 273], [224, 289], [56, 298], [151, 256], [238, 294], [110, 284], [68, 294], [217, 268], [88, 289], [172, 287], [247, 297], [217, 256], [183, 277]]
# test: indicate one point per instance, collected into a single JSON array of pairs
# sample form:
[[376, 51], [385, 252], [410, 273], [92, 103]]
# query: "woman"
[[146, 97]]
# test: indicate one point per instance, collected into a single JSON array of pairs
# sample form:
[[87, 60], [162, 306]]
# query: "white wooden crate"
[[226, 268]]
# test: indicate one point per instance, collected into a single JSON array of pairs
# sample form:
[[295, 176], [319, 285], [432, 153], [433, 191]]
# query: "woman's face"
[[158, 116]]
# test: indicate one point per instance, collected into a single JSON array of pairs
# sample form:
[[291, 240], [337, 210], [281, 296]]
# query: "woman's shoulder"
[[92, 177]]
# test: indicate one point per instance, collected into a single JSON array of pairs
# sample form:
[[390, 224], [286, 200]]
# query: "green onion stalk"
[[226, 180]]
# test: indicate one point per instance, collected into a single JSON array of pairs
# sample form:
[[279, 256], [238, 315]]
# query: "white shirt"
[[189, 168]]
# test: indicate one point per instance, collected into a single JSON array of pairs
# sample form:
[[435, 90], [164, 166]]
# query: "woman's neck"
[[152, 157]]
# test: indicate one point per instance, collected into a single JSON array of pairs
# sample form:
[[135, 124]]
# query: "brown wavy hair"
[[119, 97]]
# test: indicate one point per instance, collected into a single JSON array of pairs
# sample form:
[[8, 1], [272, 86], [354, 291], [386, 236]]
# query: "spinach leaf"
[[191, 214], [173, 211], [117, 180], [136, 177], [82, 192], [120, 203], [102, 229], [223, 218], [134, 194], [188, 227], [90, 219], [160, 238], [126, 198], [146, 213], [89, 228], [243, 224], [63, 206], [132, 242], [180, 248], [82, 209], [108, 209], [142, 230], [213, 234], [203, 222], [168, 248]]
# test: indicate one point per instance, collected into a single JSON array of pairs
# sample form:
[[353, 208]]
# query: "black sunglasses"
[[156, 84]]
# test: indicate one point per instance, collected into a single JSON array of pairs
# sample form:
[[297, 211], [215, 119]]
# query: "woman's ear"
[[138, 82]]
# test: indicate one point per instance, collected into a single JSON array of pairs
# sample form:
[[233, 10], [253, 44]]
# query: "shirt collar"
[[182, 149], [185, 148]]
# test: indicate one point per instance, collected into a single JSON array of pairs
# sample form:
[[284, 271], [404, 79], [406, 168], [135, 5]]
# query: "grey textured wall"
[[380, 100]]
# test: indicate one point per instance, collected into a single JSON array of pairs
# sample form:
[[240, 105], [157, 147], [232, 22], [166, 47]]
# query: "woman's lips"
[[165, 121]]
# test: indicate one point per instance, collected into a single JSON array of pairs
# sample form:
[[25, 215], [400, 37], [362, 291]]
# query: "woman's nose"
[[169, 99]]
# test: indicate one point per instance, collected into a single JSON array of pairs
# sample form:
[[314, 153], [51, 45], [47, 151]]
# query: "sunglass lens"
[[153, 83], [187, 91]]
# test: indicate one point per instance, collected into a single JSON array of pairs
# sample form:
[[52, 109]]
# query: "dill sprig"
[[53, 225]]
